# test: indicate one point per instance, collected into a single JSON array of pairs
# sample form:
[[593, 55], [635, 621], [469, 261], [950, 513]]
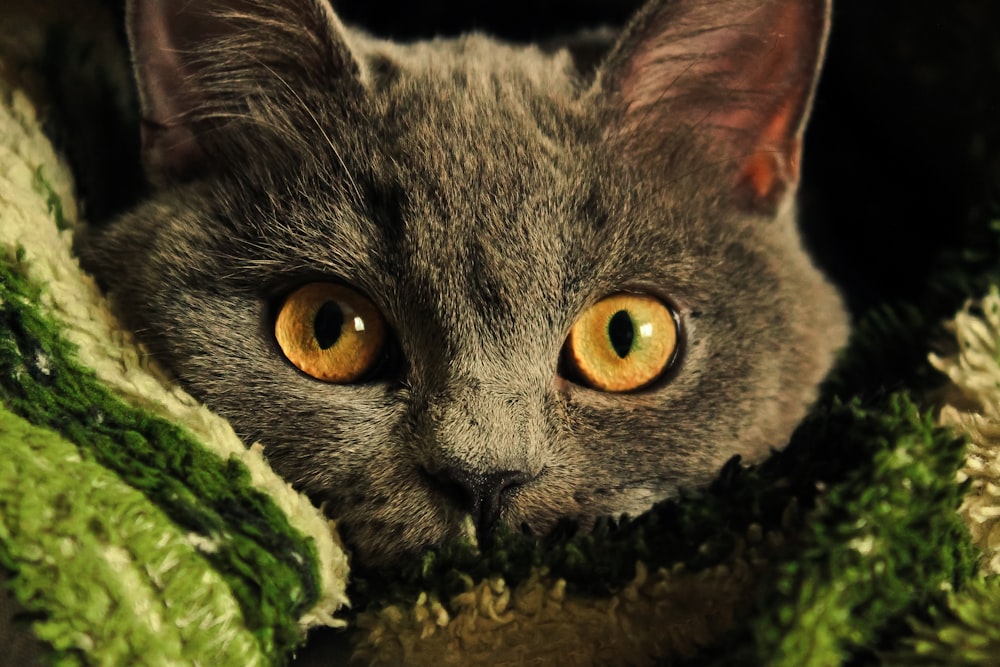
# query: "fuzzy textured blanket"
[[135, 528]]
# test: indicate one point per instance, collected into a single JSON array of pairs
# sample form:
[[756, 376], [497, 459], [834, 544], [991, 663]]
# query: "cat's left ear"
[[739, 75], [205, 65]]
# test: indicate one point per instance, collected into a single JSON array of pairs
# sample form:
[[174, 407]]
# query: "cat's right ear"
[[200, 65], [737, 76]]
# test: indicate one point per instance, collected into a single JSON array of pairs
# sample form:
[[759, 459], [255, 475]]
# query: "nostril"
[[483, 495], [454, 485], [498, 485]]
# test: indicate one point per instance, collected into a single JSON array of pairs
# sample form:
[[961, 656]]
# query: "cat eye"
[[331, 332], [622, 343]]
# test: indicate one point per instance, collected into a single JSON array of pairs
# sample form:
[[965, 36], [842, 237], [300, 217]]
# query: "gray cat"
[[461, 278]]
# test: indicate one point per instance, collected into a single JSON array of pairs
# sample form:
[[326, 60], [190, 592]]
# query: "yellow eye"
[[330, 332], [622, 342]]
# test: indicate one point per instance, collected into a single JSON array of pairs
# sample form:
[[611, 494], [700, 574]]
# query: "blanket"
[[135, 528]]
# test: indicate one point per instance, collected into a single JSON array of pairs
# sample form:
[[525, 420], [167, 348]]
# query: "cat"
[[461, 283]]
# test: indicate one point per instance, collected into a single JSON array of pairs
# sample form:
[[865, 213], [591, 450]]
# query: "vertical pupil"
[[620, 333], [327, 324]]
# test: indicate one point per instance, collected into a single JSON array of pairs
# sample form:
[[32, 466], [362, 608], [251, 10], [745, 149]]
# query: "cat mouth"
[[383, 530], [436, 511]]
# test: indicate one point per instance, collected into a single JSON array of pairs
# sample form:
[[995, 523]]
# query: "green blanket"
[[135, 528]]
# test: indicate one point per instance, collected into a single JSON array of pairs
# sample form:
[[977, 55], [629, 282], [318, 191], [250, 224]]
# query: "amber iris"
[[622, 343], [331, 332]]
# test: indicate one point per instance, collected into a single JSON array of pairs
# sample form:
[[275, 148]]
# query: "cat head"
[[461, 278]]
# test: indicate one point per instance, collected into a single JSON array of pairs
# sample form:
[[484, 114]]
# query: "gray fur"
[[479, 195]]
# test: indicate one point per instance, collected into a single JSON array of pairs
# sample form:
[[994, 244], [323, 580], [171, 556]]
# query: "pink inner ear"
[[773, 166], [787, 69], [157, 56], [169, 144]]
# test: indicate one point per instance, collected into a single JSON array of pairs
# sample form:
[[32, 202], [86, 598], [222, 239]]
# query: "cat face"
[[460, 278]]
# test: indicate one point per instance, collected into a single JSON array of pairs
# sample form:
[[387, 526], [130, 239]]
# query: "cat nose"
[[483, 495]]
